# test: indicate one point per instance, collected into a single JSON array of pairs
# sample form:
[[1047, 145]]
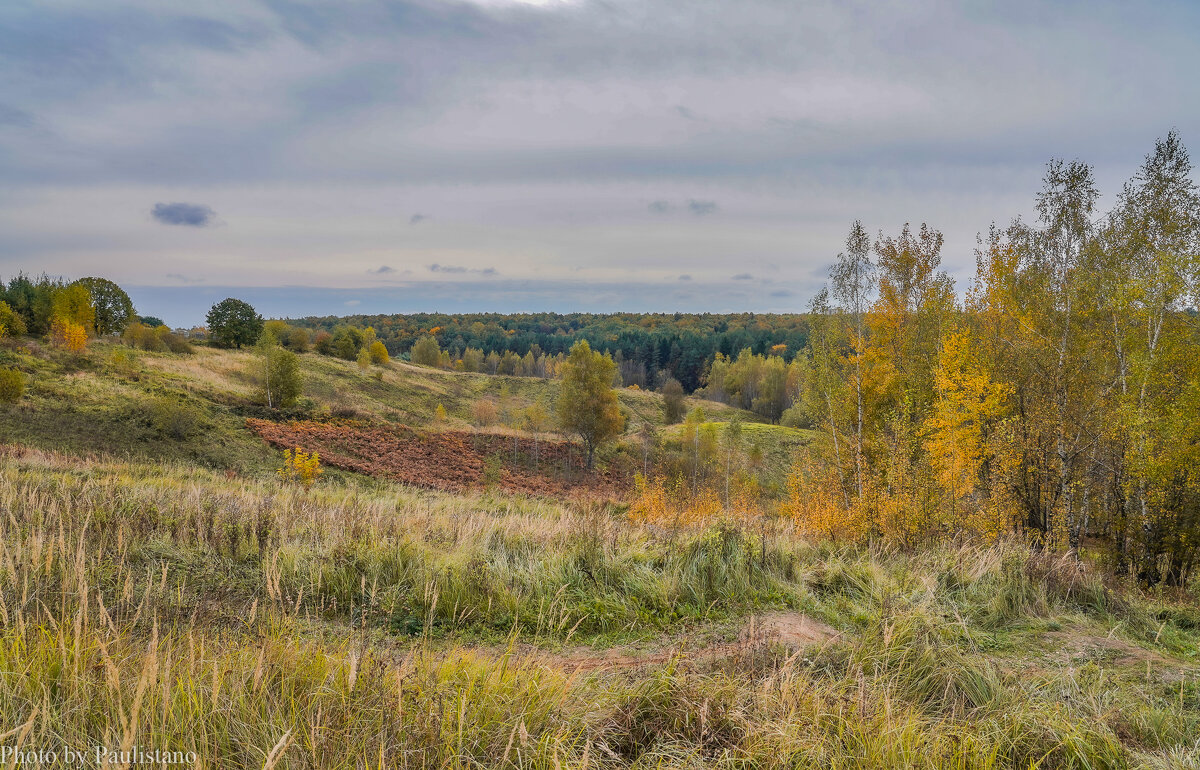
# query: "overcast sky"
[[349, 156]]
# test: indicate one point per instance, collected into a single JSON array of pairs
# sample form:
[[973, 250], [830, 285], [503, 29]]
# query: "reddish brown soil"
[[448, 460]]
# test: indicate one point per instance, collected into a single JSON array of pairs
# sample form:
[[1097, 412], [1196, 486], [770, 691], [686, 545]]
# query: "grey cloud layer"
[[656, 137]]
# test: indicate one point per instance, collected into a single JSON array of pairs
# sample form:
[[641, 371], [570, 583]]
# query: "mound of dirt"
[[452, 461], [793, 630]]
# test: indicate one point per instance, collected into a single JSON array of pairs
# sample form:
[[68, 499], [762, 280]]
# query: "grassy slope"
[[368, 622], [104, 402], [373, 623]]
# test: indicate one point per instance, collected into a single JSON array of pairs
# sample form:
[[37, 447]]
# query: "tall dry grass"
[[254, 625]]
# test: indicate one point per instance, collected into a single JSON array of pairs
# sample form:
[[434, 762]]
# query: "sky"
[[323, 157]]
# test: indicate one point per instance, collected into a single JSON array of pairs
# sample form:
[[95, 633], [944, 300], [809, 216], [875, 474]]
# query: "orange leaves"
[[967, 406], [815, 505], [672, 504], [68, 335]]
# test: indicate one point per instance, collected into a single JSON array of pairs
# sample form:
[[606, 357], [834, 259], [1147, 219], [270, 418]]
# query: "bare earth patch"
[[792, 630]]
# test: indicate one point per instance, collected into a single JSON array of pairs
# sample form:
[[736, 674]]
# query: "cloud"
[[352, 302], [459, 269], [783, 293], [188, 214], [564, 132], [743, 277], [685, 277], [183, 278], [382, 270]]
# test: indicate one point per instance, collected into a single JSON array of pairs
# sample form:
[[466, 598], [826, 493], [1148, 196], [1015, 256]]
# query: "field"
[[160, 587]]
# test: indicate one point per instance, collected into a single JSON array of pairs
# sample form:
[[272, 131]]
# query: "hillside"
[[171, 606], [422, 606], [128, 403]]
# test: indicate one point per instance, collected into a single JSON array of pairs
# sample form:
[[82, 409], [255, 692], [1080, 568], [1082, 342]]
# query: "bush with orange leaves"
[[672, 504], [819, 509], [68, 335]]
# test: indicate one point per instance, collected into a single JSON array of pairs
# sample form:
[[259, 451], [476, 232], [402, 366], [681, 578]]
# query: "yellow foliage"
[[968, 403], [672, 505], [440, 413], [300, 467], [378, 352], [818, 510], [68, 335]]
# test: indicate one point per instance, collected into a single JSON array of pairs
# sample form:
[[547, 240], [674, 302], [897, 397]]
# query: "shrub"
[[12, 386], [174, 418], [300, 467], [484, 412], [673, 406], [426, 352], [68, 335], [297, 340], [379, 353], [11, 324], [795, 417]]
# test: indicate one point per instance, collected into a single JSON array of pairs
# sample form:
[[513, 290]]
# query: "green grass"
[[105, 402], [366, 625], [159, 586]]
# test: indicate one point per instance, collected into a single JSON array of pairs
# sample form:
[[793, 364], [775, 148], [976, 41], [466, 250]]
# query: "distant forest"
[[648, 347]]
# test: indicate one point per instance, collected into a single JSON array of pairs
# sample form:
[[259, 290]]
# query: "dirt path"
[[792, 630]]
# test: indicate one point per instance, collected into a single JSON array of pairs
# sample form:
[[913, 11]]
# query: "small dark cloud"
[[458, 269], [743, 277], [184, 278], [783, 293], [189, 214], [702, 208], [684, 112], [685, 277], [417, 219], [382, 270], [659, 207]]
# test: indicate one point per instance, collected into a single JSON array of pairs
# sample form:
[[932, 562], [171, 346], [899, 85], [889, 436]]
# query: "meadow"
[[162, 588]]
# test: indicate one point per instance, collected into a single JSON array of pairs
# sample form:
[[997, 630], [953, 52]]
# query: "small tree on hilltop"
[[426, 351], [233, 323], [73, 306], [114, 309], [280, 371], [587, 404], [673, 406]]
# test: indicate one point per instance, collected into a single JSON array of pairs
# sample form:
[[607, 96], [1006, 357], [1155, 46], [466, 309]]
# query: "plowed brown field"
[[447, 460]]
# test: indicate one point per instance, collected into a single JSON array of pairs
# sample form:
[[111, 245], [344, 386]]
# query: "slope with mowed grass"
[[356, 624]]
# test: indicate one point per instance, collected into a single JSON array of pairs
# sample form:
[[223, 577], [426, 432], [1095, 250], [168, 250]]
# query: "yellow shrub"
[[300, 467], [68, 334]]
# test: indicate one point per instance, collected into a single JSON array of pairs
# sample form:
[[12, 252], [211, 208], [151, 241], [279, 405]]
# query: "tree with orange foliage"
[[68, 335]]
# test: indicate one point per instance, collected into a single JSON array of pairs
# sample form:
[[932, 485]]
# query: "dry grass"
[[257, 625]]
